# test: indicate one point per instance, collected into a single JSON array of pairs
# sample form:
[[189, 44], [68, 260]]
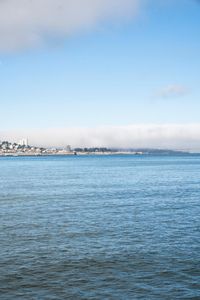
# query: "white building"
[[23, 142]]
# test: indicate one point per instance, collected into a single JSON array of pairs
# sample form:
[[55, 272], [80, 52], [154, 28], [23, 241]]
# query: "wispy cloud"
[[173, 136], [27, 23], [173, 90]]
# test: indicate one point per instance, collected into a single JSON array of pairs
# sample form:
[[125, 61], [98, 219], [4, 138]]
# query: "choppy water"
[[112, 227]]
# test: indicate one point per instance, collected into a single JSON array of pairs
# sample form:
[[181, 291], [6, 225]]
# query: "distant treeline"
[[131, 150], [93, 149], [5, 145]]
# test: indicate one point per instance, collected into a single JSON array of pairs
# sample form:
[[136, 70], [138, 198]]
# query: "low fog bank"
[[167, 136]]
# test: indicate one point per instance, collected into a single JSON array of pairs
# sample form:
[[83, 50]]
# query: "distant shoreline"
[[67, 154], [23, 149], [92, 154]]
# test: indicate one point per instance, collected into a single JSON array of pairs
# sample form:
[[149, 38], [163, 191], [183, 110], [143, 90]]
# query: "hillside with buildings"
[[20, 148]]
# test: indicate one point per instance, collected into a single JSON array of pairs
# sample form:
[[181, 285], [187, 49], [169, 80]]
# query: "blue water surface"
[[100, 227]]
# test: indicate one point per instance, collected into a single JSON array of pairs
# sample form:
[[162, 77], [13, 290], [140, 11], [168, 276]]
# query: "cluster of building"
[[23, 148]]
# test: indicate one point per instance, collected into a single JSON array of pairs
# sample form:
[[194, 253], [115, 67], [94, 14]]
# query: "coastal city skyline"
[[110, 74]]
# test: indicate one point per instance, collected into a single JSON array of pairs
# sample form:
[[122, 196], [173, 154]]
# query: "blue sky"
[[144, 70]]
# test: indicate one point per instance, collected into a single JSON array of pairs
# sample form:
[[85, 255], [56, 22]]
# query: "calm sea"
[[100, 227]]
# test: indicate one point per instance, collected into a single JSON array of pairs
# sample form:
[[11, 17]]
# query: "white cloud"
[[28, 23], [165, 136], [174, 90]]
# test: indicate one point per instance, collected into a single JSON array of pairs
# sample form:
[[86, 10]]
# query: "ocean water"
[[100, 227]]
